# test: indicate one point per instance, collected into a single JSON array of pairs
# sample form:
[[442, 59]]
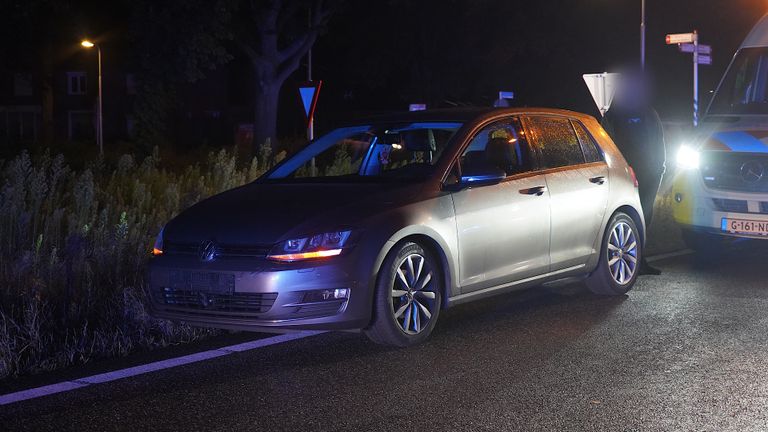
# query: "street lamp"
[[99, 115], [642, 37]]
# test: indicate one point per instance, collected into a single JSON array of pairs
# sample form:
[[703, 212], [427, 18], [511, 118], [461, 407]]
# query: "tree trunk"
[[265, 99]]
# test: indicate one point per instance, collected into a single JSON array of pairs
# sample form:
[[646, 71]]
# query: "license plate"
[[209, 282], [741, 226]]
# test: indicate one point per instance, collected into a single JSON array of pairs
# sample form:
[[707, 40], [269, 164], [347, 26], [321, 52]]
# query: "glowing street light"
[[99, 126]]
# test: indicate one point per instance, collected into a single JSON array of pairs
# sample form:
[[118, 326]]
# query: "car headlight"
[[311, 247], [688, 157], [157, 249]]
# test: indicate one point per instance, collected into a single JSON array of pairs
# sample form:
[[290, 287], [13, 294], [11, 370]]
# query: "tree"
[[176, 42], [274, 48]]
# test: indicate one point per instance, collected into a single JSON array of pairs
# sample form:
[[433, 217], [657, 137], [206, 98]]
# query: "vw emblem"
[[752, 172], [207, 251]]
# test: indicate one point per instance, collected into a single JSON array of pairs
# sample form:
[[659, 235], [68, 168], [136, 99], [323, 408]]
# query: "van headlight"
[[316, 246], [688, 157]]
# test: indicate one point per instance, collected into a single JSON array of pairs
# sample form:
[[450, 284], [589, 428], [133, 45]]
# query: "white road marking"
[[669, 255], [66, 386]]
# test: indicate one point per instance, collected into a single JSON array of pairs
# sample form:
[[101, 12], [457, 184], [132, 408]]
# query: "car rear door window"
[[592, 153], [556, 142]]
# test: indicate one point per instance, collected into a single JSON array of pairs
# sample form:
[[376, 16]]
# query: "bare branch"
[[321, 12], [288, 14], [291, 63]]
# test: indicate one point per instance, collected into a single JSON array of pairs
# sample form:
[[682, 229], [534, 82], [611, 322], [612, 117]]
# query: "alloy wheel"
[[413, 294], [622, 253]]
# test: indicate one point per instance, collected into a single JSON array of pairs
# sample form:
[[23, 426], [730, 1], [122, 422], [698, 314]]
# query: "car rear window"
[[591, 151], [557, 142]]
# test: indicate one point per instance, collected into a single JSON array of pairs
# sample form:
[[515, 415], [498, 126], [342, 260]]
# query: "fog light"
[[326, 295], [678, 197]]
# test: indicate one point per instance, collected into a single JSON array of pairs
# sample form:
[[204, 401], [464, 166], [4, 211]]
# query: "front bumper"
[[699, 208], [258, 295]]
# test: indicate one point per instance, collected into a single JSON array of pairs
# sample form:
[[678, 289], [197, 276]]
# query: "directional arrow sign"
[[680, 38], [688, 48], [602, 87], [705, 59], [309, 91]]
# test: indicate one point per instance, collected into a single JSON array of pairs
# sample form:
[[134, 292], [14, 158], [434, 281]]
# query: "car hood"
[[263, 213]]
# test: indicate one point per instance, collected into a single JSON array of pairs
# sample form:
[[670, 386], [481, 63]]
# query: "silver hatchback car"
[[379, 225]]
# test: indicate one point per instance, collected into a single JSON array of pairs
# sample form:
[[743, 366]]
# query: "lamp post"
[[99, 115], [642, 37]]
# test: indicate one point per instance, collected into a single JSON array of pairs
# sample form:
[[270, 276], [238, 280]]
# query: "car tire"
[[620, 257], [408, 296]]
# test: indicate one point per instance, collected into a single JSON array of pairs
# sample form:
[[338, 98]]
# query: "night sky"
[[384, 54]]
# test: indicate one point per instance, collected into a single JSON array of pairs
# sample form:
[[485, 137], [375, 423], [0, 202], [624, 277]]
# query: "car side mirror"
[[482, 176]]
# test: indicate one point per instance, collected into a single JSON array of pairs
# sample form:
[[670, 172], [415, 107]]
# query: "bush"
[[73, 246]]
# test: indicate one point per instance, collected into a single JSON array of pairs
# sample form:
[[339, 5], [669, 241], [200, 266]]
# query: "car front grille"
[[731, 206], [221, 251], [207, 302], [738, 206], [743, 172]]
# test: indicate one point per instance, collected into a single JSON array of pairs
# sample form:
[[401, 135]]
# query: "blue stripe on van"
[[742, 142]]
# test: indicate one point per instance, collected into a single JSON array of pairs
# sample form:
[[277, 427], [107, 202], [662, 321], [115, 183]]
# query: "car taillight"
[[634, 177]]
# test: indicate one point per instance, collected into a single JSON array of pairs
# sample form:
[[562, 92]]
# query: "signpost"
[[309, 91], [602, 86], [688, 48], [681, 38], [702, 54]]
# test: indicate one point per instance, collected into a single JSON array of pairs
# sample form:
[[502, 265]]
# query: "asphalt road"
[[687, 350]]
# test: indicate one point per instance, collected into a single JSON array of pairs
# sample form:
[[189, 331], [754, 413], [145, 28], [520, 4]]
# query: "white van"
[[721, 188]]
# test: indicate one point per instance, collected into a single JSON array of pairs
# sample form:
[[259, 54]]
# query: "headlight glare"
[[688, 157]]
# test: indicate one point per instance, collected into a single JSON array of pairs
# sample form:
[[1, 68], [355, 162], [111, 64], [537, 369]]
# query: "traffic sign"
[[705, 59], [309, 91], [681, 38], [506, 95], [688, 48], [417, 107], [602, 87]]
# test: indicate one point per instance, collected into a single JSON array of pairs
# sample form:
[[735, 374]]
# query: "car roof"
[[460, 115]]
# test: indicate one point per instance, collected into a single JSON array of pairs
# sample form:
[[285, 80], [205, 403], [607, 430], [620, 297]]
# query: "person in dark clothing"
[[636, 129]]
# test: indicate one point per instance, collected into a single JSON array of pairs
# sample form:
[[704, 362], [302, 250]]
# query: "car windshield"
[[373, 151], [744, 90]]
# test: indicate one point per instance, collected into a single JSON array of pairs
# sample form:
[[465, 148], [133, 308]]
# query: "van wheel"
[[620, 258], [407, 298]]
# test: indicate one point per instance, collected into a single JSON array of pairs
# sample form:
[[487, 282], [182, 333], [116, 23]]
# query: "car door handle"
[[598, 180], [538, 191]]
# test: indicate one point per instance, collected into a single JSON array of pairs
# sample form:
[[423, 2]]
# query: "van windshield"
[[744, 90]]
